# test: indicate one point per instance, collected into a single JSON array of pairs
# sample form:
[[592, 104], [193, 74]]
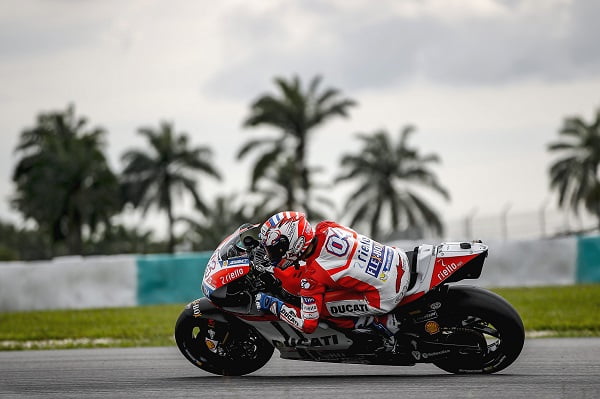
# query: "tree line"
[[70, 196]]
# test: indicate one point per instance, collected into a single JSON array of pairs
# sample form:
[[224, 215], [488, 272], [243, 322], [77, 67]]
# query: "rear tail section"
[[431, 266], [458, 261]]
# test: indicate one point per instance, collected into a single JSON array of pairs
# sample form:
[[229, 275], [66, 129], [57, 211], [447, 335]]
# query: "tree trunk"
[[170, 217], [303, 172], [74, 236]]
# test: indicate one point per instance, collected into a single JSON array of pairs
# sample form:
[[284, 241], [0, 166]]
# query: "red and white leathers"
[[347, 275]]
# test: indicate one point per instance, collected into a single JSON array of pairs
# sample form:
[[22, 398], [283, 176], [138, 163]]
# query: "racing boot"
[[373, 334], [365, 341]]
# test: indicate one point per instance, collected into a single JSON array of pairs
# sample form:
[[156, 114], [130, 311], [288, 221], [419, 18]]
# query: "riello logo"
[[448, 269]]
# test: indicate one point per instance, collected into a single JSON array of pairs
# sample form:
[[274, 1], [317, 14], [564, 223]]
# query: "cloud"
[[360, 45], [583, 40], [47, 28]]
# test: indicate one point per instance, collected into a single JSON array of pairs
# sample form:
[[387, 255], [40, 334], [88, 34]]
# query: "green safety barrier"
[[588, 260], [170, 278]]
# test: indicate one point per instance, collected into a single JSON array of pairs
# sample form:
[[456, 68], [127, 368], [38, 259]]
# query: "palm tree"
[[153, 178], [63, 180], [575, 174], [387, 173], [296, 113], [221, 220], [121, 239], [279, 189], [23, 243]]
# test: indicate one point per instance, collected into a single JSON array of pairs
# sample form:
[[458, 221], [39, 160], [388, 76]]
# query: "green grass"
[[566, 311], [139, 326], [548, 311]]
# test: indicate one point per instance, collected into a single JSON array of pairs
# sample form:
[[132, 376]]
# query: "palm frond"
[[387, 170], [295, 112]]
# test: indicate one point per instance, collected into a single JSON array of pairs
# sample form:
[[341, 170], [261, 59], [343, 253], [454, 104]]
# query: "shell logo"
[[432, 327]]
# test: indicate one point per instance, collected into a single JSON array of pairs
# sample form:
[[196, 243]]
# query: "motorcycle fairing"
[[222, 272], [447, 262], [228, 263], [292, 344]]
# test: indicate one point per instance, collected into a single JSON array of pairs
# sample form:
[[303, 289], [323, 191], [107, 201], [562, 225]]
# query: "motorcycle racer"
[[347, 277], [458, 328]]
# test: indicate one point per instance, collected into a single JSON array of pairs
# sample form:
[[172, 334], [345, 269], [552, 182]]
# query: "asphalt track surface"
[[547, 368]]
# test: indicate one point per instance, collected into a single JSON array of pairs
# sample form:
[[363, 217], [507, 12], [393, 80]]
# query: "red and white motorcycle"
[[460, 329]]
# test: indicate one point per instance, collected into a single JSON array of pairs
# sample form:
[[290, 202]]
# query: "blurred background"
[[146, 127]]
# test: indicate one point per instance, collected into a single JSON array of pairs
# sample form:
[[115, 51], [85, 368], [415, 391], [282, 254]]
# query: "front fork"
[[219, 335], [215, 336]]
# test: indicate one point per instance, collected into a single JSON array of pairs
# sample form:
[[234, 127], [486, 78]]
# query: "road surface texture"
[[547, 368]]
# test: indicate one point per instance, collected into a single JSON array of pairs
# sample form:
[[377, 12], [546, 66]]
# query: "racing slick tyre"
[[478, 317], [220, 348]]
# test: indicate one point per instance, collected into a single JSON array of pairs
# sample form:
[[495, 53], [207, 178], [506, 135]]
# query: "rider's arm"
[[311, 302], [305, 319]]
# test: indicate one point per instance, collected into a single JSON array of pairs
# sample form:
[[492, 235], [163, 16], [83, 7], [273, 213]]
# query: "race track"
[[547, 368]]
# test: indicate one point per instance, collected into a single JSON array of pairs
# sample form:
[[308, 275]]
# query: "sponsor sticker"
[[312, 308], [211, 345], [434, 354], [432, 327], [308, 300], [292, 342], [310, 316], [238, 261], [375, 257], [289, 315], [196, 309], [347, 308], [305, 284]]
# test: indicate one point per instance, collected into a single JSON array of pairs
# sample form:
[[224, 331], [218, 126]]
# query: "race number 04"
[[337, 245]]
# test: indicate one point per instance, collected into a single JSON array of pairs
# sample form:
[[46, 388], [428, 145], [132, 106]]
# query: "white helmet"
[[285, 237]]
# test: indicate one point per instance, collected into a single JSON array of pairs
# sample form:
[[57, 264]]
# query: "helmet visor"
[[277, 250]]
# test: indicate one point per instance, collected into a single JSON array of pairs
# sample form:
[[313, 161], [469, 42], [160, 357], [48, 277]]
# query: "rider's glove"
[[265, 302]]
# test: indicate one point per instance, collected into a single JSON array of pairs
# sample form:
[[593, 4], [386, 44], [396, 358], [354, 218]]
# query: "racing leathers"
[[348, 275]]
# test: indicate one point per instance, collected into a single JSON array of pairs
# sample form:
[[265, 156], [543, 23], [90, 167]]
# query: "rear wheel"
[[485, 321], [216, 347]]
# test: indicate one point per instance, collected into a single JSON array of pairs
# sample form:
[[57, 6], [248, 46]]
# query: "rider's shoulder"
[[330, 224], [325, 224], [328, 228]]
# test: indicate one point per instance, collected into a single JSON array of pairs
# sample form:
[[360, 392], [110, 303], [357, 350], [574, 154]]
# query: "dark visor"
[[278, 249]]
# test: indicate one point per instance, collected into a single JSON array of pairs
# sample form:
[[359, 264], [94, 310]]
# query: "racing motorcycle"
[[458, 328]]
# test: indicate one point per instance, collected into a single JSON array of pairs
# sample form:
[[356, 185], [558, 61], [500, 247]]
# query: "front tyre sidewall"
[[190, 334]]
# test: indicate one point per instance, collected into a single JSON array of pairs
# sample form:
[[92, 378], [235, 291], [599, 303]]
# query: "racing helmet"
[[285, 236]]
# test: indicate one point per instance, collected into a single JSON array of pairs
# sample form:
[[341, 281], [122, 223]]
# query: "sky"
[[486, 83]]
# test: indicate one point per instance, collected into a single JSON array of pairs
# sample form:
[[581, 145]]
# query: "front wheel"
[[220, 348], [482, 319]]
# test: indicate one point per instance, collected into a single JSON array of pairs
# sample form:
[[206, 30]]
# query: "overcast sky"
[[487, 83]]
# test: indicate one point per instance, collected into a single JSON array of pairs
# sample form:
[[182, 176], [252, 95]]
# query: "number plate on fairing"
[[219, 273]]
